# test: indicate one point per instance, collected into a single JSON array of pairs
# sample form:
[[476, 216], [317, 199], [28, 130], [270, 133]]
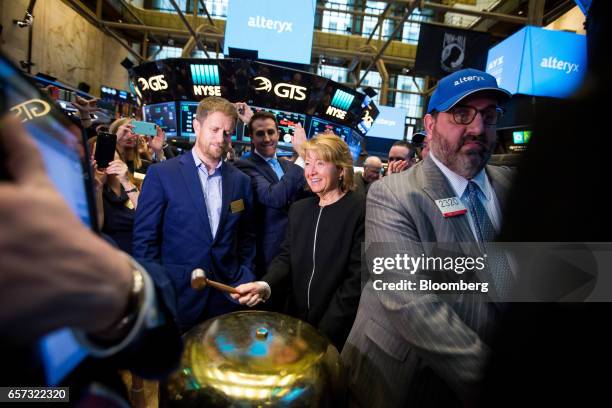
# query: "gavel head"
[[198, 279]]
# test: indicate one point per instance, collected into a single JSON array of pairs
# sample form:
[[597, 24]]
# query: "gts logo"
[[155, 83]]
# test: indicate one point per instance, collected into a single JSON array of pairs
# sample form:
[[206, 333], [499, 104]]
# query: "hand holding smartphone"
[[105, 149], [144, 128]]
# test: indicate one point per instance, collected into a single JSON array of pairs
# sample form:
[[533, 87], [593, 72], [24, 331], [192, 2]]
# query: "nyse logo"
[[205, 80], [155, 83], [335, 112], [203, 90], [282, 89], [495, 63], [31, 109], [340, 103]]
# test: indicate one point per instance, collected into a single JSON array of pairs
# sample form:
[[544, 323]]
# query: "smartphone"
[[144, 128], [105, 149]]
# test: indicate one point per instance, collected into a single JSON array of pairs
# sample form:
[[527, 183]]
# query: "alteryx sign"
[[205, 80], [389, 124], [278, 30], [340, 104], [541, 62]]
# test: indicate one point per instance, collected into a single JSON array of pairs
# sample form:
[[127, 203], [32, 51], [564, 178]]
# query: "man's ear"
[[429, 121], [196, 125]]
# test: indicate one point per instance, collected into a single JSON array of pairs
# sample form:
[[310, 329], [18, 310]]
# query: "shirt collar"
[[267, 159], [459, 183], [199, 162]]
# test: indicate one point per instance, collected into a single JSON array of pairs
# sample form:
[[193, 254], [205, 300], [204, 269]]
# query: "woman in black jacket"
[[320, 259]]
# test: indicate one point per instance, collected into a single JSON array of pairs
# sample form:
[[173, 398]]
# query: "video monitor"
[[186, 116], [63, 153], [320, 126], [389, 124], [286, 124], [521, 137], [271, 29], [354, 144], [163, 115]]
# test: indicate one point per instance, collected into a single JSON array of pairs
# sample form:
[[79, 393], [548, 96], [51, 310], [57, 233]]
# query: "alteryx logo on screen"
[[279, 30], [340, 104], [269, 24], [205, 80], [554, 63]]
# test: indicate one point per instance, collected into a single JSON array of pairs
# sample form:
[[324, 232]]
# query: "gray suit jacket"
[[410, 349]]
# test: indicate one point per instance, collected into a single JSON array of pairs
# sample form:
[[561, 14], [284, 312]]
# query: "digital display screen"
[[61, 146], [187, 115], [389, 124], [270, 28], [320, 126], [540, 62], [163, 115], [286, 123], [354, 144], [521, 137]]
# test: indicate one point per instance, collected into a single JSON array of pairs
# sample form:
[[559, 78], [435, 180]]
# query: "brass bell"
[[253, 359]]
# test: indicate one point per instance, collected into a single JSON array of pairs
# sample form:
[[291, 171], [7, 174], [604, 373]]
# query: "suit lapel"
[[227, 187], [501, 185], [189, 172], [284, 164], [264, 168], [436, 186]]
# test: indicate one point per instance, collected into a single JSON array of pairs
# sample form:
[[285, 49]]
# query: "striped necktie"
[[499, 269]]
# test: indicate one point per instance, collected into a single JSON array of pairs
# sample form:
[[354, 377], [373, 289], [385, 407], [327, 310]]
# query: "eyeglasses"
[[464, 115], [262, 133]]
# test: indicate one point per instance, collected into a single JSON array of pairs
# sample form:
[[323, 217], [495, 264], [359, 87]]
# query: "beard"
[[466, 163], [211, 151]]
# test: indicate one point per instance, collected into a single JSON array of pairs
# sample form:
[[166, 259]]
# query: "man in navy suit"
[[276, 184], [195, 211]]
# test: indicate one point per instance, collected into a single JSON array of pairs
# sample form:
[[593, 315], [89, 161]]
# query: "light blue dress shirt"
[[212, 189]]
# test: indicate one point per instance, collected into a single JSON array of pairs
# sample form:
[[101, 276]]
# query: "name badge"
[[451, 207], [237, 206]]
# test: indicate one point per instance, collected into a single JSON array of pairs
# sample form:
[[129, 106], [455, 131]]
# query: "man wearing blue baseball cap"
[[421, 348]]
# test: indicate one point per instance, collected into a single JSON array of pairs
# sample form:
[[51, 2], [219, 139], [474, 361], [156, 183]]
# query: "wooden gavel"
[[199, 281]]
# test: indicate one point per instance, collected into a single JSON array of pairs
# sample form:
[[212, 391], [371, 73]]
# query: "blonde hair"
[[114, 128], [215, 104], [330, 148]]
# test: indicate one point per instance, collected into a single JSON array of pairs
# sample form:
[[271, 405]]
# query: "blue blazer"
[[172, 228], [273, 197]]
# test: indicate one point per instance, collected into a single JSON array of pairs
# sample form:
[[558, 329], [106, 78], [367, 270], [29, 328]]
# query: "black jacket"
[[118, 218], [326, 293], [273, 197]]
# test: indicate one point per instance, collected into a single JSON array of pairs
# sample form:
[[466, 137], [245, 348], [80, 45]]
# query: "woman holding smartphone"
[[117, 198]]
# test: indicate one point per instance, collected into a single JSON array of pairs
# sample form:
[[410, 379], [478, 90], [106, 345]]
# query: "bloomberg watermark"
[[499, 272]]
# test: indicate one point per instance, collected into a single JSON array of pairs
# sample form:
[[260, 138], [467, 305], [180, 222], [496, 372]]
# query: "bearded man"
[[196, 211], [409, 348]]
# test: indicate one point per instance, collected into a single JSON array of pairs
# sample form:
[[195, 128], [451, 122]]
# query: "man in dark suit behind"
[[276, 185], [419, 349], [195, 211]]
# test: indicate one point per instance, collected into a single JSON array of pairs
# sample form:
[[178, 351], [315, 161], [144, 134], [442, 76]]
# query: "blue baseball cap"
[[458, 85]]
